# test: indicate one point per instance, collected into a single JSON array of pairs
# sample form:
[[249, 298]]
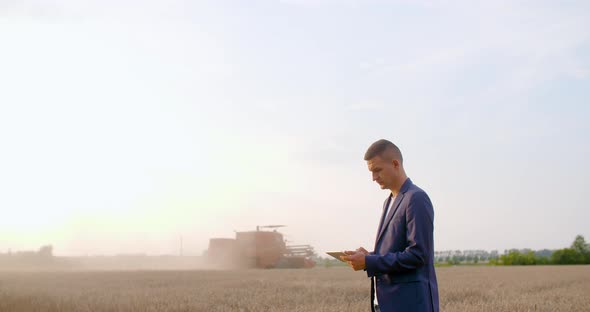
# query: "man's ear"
[[396, 163]]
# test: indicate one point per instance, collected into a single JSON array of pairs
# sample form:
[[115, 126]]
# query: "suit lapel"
[[393, 210], [382, 219], [394, 207]]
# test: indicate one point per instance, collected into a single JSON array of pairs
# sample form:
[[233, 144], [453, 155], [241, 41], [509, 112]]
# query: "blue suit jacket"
[[403, 260]]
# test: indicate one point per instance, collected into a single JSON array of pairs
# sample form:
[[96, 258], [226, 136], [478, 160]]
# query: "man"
[[401, 267]]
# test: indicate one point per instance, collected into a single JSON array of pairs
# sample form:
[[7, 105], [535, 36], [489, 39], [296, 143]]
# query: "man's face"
[[383, 171]]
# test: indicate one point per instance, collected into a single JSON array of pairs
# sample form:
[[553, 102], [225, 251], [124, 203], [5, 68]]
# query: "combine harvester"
[[258, 249]]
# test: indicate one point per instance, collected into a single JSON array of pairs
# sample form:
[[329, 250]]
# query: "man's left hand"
[[356, 259]]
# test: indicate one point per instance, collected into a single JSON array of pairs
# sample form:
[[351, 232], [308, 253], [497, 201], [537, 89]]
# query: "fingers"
[[353, 257], [363, 250], [349, 255], [346, 258]]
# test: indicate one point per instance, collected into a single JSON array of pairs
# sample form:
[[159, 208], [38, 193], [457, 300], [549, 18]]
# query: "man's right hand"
[[363, 250], [360, 249], [356, 259], [350, 253]]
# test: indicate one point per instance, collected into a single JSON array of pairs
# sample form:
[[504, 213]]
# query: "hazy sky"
[[125, 125]]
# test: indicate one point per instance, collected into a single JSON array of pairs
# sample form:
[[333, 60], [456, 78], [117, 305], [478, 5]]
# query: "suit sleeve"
[[419, 235]]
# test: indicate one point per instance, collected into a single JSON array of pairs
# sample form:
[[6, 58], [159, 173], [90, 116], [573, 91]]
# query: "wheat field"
[[462, 288]]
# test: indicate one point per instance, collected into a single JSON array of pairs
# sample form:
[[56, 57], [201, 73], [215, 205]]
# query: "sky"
[[128, 125]]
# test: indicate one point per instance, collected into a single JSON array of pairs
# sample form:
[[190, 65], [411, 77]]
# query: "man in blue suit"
[[401, 267]]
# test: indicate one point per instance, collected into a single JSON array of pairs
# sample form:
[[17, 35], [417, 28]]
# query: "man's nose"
[[375, 177]]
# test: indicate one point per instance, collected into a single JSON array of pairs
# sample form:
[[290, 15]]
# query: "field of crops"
[[462, 288]]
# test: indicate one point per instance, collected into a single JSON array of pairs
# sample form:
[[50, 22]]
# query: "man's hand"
[[356, 259], [363, 250]]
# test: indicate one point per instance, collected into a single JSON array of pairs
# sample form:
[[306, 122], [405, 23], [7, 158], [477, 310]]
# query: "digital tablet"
[[337, 254]]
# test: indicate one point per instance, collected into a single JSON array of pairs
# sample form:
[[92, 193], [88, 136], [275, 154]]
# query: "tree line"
[[577, 253]]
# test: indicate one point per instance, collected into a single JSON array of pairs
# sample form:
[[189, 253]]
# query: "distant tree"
[[542, 260], [515, 257], [567, 256], [543, 253], [580, 245], [493, 255], [578, 253], [455, 260]]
